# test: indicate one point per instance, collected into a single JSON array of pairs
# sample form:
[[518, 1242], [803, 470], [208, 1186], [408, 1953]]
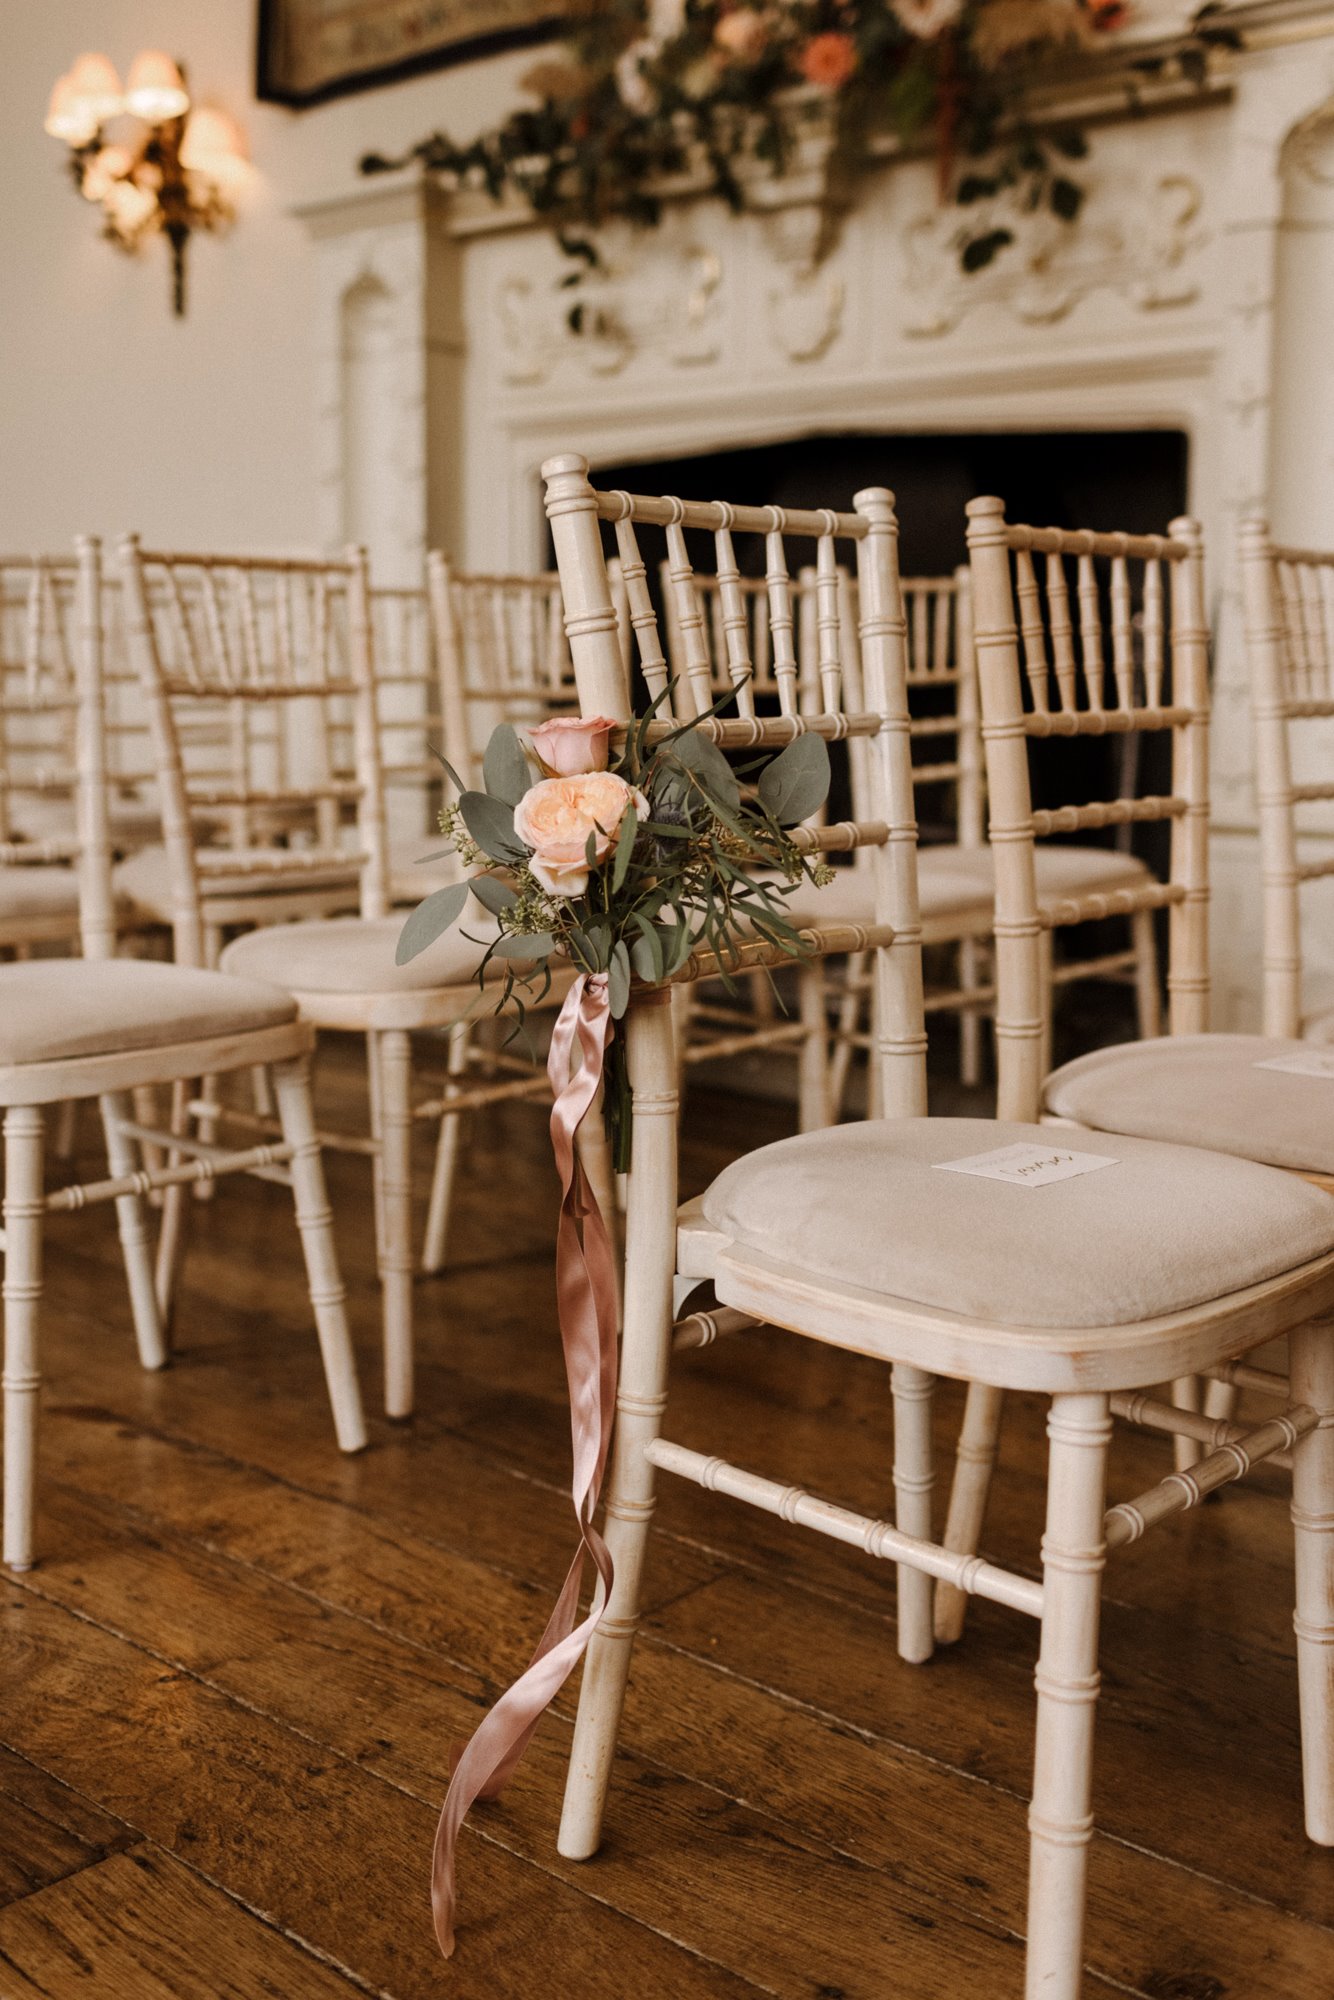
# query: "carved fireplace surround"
[[1196, 294]]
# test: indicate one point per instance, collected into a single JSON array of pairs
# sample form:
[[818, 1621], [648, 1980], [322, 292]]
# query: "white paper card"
[[1306, 1062], [1025, 1165]]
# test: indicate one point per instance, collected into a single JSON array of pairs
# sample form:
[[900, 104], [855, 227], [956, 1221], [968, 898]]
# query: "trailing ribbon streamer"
[[586, 1303]]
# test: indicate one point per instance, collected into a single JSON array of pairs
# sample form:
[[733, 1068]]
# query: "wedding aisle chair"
[[103, 1028], [1249, 1095], [501, 655], [955, 1256], [956, 880], [305, 645]]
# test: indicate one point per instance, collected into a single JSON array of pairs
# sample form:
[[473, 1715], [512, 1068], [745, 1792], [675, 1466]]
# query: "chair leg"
[[67, 1129], [973, 1466], [396, 1261], [1060, 1819], [1220, 1400], [970, 1022], [1047, 956], [314, 1220], [446, 1159], [377, 1134], [913, 1390], [1312, 1350], [1148, 1000], [132, 1225], [851, 1004], [171, 1232], [210, 1088], [813, 1068], [25, 1213], [645, 1348], [1186, 1396]]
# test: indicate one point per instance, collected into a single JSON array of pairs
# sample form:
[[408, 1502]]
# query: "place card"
[[1306, 1062], [1025, 1165]]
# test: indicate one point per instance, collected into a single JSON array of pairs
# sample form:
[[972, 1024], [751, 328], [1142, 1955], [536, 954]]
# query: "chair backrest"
[[1289, 612], [52, 725], [941, 671], [501, 655], [259, 678], [1082, 674], [881, 720]]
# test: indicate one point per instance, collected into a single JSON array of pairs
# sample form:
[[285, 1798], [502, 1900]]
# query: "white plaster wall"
[[115, 415]]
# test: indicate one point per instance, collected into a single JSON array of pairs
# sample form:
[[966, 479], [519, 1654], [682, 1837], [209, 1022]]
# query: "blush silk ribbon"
[[586, 1302]]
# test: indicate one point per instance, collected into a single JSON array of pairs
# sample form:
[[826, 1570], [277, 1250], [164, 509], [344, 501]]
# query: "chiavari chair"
[[1246, 1095], [104, 1028], [311, 652], [39, 835], [956, 884], [1089, 1289]]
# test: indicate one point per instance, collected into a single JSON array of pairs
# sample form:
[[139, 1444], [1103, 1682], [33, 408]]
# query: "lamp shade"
[[95, 81], [111, 163], [214, 148], [155, 89], [68, 116], [130, 208]]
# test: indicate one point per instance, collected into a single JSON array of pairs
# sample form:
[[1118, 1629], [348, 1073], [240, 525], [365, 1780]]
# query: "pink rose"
[[828, 60], [569, 745], [743, 34], [557, 815]]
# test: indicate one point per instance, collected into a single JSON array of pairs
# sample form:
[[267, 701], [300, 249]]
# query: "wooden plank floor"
[[229, 1691]]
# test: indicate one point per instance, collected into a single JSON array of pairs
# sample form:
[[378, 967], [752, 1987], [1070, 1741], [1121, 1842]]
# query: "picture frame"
[[308, 51]]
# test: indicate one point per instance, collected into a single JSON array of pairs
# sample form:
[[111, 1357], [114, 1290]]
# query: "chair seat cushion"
[[1163, 1229], [58, 1009], [132, 821], [1204, 1090], [954, 881], [27, 893], [145, 878], [1320, 1028], [356, 955]]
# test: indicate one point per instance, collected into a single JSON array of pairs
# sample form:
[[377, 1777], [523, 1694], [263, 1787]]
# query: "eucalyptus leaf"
[[625, 847], [504, 767], [796, 784], [618, 980], [448, 769], [493, 894], [709, 766], [491, 824], [539, 945], [430, 920], [647, 952]]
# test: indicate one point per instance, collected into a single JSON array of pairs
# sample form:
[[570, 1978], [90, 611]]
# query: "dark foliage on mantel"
[[656, 98]]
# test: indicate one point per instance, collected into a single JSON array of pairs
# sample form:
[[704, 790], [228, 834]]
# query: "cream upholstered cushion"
[[1204, 1090], [57, 1009], [356, 955], [132, 821], [145, 878], [1164, 1229], [952, 881], [39, 892]]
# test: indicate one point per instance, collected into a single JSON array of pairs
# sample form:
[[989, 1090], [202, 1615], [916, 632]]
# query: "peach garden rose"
[[557, 815], [570, 744]]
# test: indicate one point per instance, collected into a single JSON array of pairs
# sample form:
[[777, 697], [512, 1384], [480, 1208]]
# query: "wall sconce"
[[176, 169]]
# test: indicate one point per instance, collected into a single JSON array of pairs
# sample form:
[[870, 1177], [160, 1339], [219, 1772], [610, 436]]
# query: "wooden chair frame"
[[27, 1089], [1086, 1375]]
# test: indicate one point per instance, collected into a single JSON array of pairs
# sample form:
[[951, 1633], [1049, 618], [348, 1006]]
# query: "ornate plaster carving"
[[1144, 249], [651, 301]]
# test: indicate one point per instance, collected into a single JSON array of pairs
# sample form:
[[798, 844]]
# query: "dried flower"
[[828, 60], [743, 34], [927, 18], [556, 82], [1005, 28]]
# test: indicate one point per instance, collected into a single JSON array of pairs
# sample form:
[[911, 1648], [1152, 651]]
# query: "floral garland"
[[624, 866], [649, 91]]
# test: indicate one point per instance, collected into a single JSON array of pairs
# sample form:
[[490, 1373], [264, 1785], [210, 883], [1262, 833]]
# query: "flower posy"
[[828, 60], [568, 745], [559, 817]]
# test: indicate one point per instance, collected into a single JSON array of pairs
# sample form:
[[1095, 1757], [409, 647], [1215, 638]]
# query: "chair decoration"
[[624, 864]]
